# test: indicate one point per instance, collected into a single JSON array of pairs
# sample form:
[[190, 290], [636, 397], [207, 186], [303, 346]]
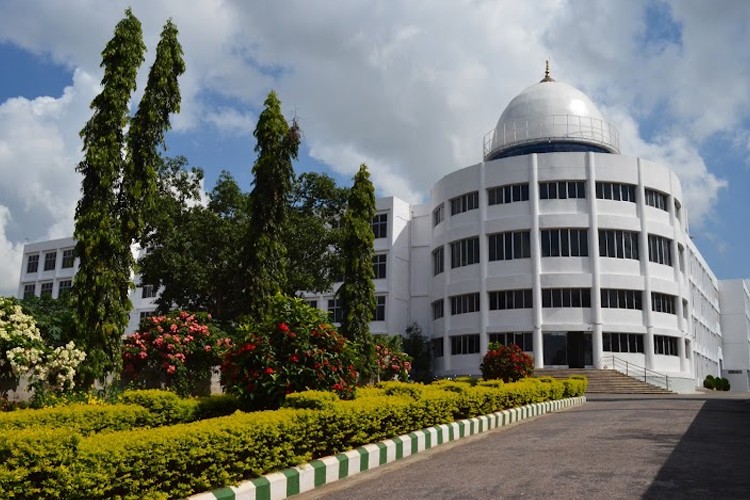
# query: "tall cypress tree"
[[146, 135], [277, 145], [100, 293], [119, 192], [357, 292]]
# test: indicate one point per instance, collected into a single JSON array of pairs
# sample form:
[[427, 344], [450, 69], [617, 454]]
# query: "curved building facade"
[[558, 243]]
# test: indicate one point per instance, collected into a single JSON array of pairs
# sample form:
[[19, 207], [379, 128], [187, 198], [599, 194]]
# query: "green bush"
[[178, 460], [294, 349], [82, 418], [508, 363], [708, 382], [414, 391], [313, 400]]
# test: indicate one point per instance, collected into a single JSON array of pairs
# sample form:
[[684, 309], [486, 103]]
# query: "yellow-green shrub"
[[314, 400], [177, 460], [82, 418]]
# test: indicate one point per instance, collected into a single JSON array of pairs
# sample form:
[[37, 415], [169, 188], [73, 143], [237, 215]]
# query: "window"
[[561, 190], [465, 202], [148, 292], [68, 258], [510, 299], [566, 297], [521, 339], [622, 342], [659, 249], [618, 244], [510, 245], [508, 194], [665, 345], [50, 259], [565, 243], [379, 266], [461, 304], [621, 299], [335, 313], [64, 287], [662, 302], [145, 314], [29, 290], [438, 261], [312, 303], [465, 252], [32, 265], [380, 225], [379, 312], [46, 290], [465, 344], [437, 347], [438, 309], [438, 215], [656, 199], [615, 191]]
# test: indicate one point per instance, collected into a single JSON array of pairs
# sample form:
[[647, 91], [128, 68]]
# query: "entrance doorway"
[[571, 349]]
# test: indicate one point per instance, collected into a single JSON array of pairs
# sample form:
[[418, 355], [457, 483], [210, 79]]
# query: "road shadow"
[[712, 460]]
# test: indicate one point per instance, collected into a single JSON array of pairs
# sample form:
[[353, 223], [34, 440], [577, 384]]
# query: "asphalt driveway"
[[611, 447]]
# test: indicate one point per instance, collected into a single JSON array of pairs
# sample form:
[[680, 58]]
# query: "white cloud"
[[39, 149], [10, 257], [410, 88]]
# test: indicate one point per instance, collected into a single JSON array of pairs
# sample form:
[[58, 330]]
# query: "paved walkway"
[[612, 447]]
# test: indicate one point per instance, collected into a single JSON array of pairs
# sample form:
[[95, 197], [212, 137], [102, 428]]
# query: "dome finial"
[[546, 78]]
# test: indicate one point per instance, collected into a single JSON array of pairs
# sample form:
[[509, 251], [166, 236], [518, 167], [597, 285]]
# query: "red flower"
[[283, 327], [269, 371], [294, 358]]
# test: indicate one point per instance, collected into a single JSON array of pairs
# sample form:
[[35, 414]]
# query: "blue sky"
[[410, 88]]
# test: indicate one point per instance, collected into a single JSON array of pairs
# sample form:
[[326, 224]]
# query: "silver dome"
[[550, 111]]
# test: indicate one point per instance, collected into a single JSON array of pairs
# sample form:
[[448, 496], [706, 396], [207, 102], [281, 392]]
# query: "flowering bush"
[[294, 349], [393, 363], [24, 353], [176, 351], [508, 363]]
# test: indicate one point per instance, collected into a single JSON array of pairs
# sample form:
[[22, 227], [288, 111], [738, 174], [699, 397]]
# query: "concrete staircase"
[[605, 381]]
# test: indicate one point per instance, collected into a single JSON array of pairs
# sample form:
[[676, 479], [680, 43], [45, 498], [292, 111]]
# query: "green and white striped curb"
[[306, 477]]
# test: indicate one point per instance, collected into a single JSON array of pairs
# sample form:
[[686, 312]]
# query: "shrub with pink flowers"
[[294, 349], [174, 351], [393, 363], [508, 363]]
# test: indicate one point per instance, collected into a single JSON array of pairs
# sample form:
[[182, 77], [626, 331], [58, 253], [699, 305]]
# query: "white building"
[[735, 325], [49, 266], [556, 242]]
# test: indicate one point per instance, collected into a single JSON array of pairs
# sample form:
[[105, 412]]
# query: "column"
[[536, 263], [648, 340], [596, 306]]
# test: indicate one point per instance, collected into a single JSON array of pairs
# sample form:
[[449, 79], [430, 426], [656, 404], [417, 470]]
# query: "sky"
[[409, 88]]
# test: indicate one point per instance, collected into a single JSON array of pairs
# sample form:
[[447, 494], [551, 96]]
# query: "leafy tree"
[[194, 251], [100, 292], [119, 192], [313, 234], [357, 293], [146, 135], [418, 347], [265, 253], [53, 317]]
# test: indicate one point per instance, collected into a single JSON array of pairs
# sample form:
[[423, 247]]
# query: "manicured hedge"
[[142, 408], [177, 460]]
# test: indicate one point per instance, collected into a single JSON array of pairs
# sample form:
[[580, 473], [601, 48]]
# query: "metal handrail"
[[637, 372]]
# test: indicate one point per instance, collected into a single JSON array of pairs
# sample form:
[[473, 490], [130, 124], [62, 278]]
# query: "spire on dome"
[[547, 77]]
